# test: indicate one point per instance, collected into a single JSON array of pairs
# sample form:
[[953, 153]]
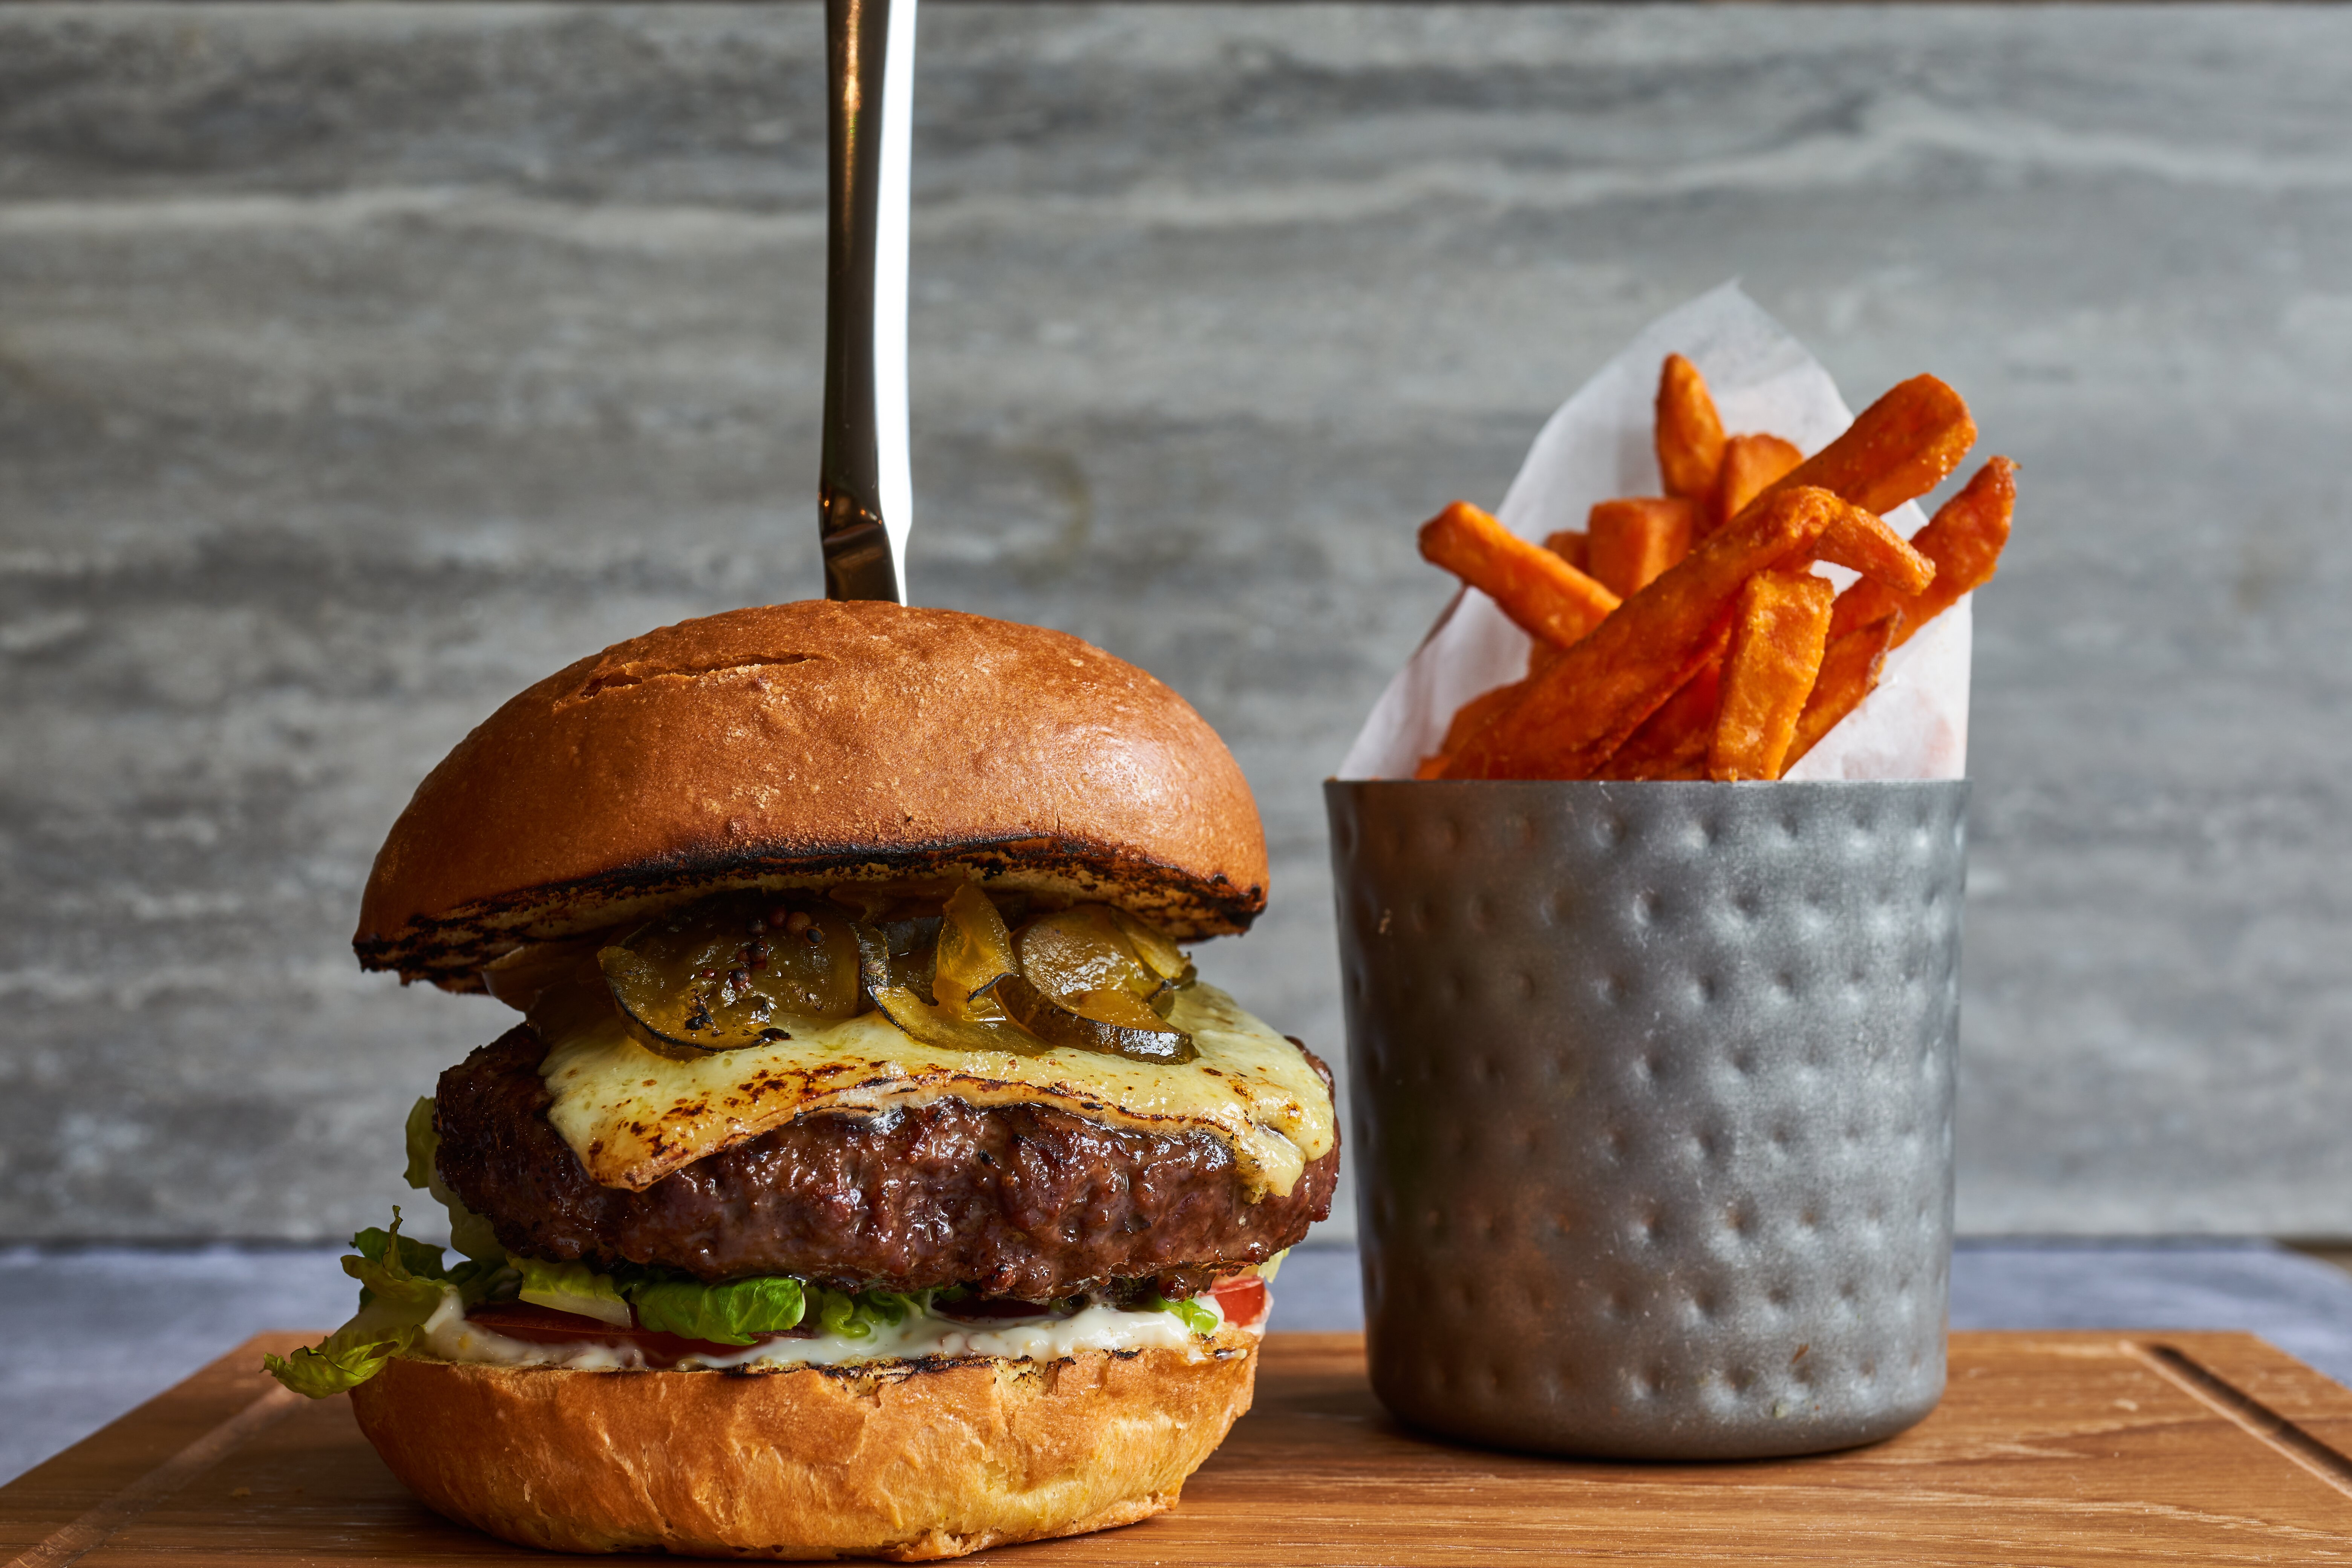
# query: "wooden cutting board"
[[2049, 1449]]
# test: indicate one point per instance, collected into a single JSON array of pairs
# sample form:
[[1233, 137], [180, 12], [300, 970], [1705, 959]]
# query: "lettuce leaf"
[[400, 1286], [352, 1354], [837, 1312], [735, 1313], [891, 1307], [854, 1317], [573, 1287], [740, 1312], [417, 1257], [469, 1232], [424, 1142], [1195, 1314]]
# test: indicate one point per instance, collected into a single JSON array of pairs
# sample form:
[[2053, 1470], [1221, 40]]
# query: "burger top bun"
[[813, 743]]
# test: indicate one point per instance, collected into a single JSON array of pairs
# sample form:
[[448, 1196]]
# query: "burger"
[[869, 1173]]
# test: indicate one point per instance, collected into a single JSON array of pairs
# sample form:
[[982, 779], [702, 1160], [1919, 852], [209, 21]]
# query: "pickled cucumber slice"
[[1058, 1023], [1082, 949], [1160, 954], [729, 972], [943, 994], [975, 952], [935, 1026]]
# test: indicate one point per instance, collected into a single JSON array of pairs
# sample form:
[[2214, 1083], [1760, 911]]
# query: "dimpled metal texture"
[[1652, 1106]]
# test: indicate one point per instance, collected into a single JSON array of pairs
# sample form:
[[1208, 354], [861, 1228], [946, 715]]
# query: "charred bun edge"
[[451, 950]]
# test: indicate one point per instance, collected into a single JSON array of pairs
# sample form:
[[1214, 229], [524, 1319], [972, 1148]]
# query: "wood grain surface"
[[2049, 1449]]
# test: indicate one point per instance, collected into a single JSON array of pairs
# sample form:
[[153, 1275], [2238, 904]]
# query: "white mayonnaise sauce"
[[447, 1336]]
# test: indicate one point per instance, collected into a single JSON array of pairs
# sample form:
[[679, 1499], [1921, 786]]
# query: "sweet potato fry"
[[1850, 668], [1550, 600], [1862, 541], [1468, 719], [1964, 539], [1777, 639], [1672, 742], [1689, 433], [1581, 710], [1486, 707], [1750, 465], [1901, 447], [1634, 539], [1571, 545]]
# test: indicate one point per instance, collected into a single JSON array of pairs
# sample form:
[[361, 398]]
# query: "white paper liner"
[[1599, 445]]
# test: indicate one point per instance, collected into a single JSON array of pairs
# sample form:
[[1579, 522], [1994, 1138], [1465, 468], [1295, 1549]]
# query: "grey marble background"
[[360, 365]]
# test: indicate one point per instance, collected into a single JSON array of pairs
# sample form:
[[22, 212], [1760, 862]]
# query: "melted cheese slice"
[[634, 1117]]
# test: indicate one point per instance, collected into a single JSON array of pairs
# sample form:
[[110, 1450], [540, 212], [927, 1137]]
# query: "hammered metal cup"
[[1652, 1106]]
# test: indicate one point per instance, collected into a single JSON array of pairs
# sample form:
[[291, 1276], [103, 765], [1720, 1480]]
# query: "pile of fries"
[[1687, 635]]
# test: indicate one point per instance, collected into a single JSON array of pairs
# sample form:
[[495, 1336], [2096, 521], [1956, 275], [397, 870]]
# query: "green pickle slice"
[[1058, 1023], [1086, 984], [734, 971], [965, 947], [731, 972], [975, 952]]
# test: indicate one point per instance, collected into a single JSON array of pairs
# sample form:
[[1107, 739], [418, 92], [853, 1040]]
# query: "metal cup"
[[1652, 1106]]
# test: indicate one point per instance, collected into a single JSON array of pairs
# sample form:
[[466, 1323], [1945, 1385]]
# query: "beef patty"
[[1021, 1200]]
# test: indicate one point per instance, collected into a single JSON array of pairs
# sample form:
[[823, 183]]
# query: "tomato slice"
[[546, 1326], [1242, 1299]]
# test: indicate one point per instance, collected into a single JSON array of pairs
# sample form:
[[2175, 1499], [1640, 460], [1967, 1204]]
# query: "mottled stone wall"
[[358, 365]]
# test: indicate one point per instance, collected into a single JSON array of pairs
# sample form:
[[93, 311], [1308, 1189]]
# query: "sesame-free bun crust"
[[813, 742], [907, 1461]]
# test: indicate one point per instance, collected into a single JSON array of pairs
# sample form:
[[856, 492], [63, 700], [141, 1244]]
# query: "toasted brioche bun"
[[813, 743], [908, 1460]]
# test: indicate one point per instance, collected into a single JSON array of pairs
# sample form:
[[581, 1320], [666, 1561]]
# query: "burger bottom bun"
[[908, 1460]]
